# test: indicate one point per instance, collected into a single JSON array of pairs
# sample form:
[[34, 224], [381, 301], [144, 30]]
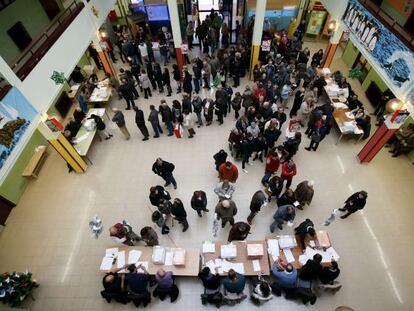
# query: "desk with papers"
[[101, 93], [288, 248], [143, 255], [234, 255]]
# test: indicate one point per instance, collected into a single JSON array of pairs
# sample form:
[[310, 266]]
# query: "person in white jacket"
[[188, 123], [224, 190]]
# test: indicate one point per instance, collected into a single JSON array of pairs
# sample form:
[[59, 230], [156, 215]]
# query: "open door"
[[5, 208]]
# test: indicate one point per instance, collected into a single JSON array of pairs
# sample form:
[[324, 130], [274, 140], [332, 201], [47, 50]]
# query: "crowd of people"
[[260, 111]]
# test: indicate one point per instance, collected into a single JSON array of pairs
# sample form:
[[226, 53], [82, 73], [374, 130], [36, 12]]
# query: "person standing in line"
[[125, 90], [198, 108], [239, 231], [190, 34], [95, 56], [165, 170], [158, 76], [283, 215], [149, 236], [101, 127], [272, 165], [145, 84], [258, 201], [219, 158], [226, 210], [297, 102], [199, 202], [153, 119], [288, 172], [119, 119], [354, 203], [247, 147], [157, 193], [166, 116], [179, 213], [304, 193], [140, 121], [224, 190], [236, 104], [166, 80], [188, 123], [177, 77], [228, 171]]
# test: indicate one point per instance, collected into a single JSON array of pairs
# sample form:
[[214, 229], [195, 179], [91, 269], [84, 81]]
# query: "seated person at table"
[[353, 102], [137, 281], [312, 269], [262, 292], [123, 234], [210, 281], [286, 278], [233, 287], [165, 285], [114, 285], [72, 129], [404, 140], [77, 75], [239, 231], [78, 115], [306, 228], [365, 124], [329, 274], [149, 236]]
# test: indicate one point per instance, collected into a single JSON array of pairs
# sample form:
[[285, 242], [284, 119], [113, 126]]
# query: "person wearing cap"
[[306, 228], [239, 231], [225, 211], [224, 190], [354, 203], [304, 193], [228, 171]]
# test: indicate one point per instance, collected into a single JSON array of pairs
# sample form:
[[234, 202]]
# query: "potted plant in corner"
[[355, 73]]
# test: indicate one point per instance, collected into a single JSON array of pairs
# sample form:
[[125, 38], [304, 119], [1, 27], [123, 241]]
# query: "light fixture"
[[103, 33], [393, 105], [331, 25]]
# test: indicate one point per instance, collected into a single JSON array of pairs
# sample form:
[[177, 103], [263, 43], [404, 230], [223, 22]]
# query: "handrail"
[[399, 32], [29, 58]]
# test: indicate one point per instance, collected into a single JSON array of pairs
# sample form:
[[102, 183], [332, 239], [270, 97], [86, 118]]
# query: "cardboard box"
[[158, 255], [255, 250], [323, 239], [179, 257]]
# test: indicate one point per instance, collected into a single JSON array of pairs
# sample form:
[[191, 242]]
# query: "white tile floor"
[[48, 231]]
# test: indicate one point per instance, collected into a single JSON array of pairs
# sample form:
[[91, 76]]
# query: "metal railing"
[[32, 55], [388, 21]]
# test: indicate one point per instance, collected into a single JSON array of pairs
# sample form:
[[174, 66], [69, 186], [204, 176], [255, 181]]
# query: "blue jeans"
[[266, 177], [170, 128], [199, 119], [169, 179]]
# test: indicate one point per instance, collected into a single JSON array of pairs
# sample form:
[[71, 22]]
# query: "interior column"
[[176, 31], [257, 33], [332, 46]]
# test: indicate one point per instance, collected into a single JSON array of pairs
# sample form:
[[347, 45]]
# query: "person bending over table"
[[304, 229], [137, 283], [312, 269], [114, 284], [286, 279], [329, 274]]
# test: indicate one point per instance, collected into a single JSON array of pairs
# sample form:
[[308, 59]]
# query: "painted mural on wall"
[[392, 55], [16, 113]]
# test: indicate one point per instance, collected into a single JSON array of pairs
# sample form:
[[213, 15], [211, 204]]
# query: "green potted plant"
[[355, 73], [15, 287]]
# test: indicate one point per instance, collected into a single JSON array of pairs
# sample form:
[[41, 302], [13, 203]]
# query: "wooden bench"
[[36, 162]]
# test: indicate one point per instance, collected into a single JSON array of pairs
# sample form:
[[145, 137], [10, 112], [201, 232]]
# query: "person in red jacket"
[[288, 171], [272, 165], [228, 171]]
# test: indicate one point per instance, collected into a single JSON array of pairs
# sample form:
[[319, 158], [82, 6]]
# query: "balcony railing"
[[32, 55], [388, 21]]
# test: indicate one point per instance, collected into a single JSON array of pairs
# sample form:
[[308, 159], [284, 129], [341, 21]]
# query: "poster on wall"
[[395, 59], [16, 113], [315, 22]]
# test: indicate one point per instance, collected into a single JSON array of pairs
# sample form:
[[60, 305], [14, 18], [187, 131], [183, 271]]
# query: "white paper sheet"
[[312, 243], [134, 256], [81, 138], [226, 266], [288, 255], [109, 252], [290, 224], [303, 259], [238, 267], [256, 265], [120, 262], [169, 258], [287, 241], [143, 263], [209, 247], [106, 263], [333, 253], [326, 257]]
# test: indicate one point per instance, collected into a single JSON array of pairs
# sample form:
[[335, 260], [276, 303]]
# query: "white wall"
[[335, 7]]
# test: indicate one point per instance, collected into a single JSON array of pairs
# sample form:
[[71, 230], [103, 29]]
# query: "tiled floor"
[[48, 231]]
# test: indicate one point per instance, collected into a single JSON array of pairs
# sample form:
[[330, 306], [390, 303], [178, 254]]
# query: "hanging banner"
[[315, 22]]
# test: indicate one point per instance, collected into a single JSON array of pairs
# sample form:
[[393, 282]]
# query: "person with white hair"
[[226, 210], [304, 193], [119, 119]]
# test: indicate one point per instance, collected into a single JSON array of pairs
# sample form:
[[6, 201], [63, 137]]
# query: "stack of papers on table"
[[340, 105], [134, 256], [327, 256], [107, 261], [229, 251], [169, 258], [332, 90], [350, 115], [287, 241], [209, 247], [288, 255], [273, 248]]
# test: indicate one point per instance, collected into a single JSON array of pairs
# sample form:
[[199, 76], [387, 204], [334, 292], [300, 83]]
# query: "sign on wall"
[[391, 55], [315, 22]]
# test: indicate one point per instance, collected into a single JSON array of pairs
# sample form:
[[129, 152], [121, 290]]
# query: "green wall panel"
[[15, 184], [350, 54], [373, 76], [33, 17]]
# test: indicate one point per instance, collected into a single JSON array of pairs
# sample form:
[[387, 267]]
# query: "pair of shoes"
[[198, 126], [312, 300], [127, 108], [223, 225], [307, 148], [168, 95], [109, 137], [190, 136], [171, 134], [185, 229], [156, 136], [167, 184], [341, 209], [249, 163], [144, 139], [249, 221], [343, 217], [280, 226], [206, 210], [199, 214], [175, 186], [244, 170], [300, 207]]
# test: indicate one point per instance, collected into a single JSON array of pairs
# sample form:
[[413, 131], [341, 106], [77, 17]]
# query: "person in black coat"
[[125, 89], [219, 108], [165, 170], [297, 102], [179, 213], [158, 76], [177, 77], [150, 74], [329, 274], [158, 193], [247, 148], [280, 116], [140, 121], [287, 198], [354, 203], [220, 158], [312, 269], [167, 81], [166, 116], [306, 227], [186, 104], [211, 282], [187, 81], [199, 202], [239, 231], [100, 126]]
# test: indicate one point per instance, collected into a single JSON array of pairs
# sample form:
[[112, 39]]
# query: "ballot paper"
[[120, 262], [287, 241], [256, 265], [273, 248], [81, 138], [109, 252], [169, 258], [209, 247], [106, 263], [228, 251], [238, 267], [134, 256], [288, 255], [333, 253], [142, 263], [303, 259], [312, 243], [350, 115], [211, 265], [296, 204], [226, 265], [340, 105]]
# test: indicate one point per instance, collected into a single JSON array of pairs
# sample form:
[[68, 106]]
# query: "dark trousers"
[[160, 87], [183, 221], [245, 160], [135, 92], [190, 42], [152, 80], [313, 145], [170, 128], [157, 128], [147, 92], [143, 129], [97, 61], [236, 79], [169, 179], [224, 222], [288, 183], [196, 85], [130, 102], [220, 117], [236, 114], [169, 90], [251, 216]]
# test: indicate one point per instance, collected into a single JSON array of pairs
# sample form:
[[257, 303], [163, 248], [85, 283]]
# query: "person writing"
[[306, 228]]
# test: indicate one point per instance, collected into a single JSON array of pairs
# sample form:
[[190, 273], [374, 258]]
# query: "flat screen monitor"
[[157, 12]]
